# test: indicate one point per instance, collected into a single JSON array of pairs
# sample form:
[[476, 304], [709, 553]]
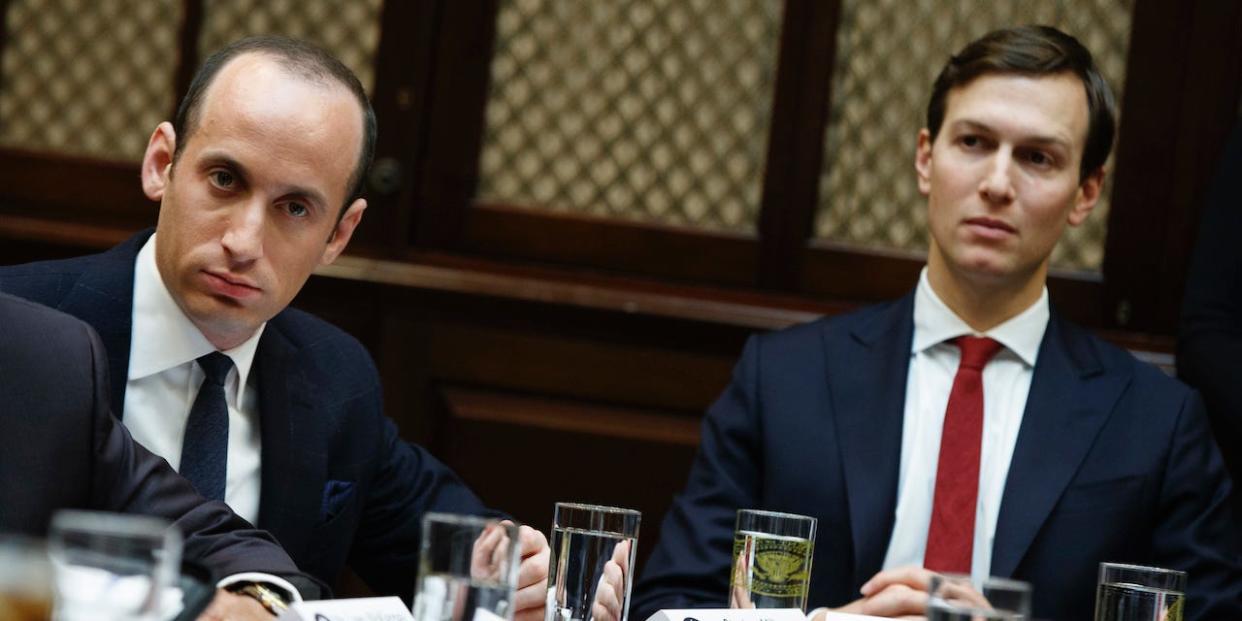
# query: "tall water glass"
[[467, 569], [111, 566], [771, 560], [25, 580], [584, 539], [957, 597], [1137, 593]]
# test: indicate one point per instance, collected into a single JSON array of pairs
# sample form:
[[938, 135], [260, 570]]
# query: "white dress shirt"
[[163, 381], [1006, 384]]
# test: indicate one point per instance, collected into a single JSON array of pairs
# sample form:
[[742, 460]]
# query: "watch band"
[[270, 599]]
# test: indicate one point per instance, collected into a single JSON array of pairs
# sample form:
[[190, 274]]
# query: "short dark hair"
[[299, 57], [1034, 51]]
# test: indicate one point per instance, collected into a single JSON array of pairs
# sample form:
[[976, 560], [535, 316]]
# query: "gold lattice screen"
[[347, 28], [87, 77], [94, 77], [888, 54], [649, 110]]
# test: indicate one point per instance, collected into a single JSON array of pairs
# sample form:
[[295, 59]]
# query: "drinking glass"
[[584, 538], [1137, 593], [110, 566], [467, 569], [957, 597], [771, 560], [25, 580]]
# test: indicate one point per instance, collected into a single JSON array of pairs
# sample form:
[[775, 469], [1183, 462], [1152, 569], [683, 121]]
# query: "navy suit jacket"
[[1114, 462], [338, 484], [60, 448]]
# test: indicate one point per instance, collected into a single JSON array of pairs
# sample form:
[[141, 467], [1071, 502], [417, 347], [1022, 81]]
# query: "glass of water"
[[467, 569], [25, 580], [584, 539], [958, 597], [111, 566], [1137, 593], [771, 560]]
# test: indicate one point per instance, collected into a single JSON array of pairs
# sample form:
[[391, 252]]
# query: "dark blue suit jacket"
[[338, 484], [1114, 462], [60, 448]]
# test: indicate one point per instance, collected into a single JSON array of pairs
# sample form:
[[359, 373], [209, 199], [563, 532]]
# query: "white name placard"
[[360, 609], [730, 614]]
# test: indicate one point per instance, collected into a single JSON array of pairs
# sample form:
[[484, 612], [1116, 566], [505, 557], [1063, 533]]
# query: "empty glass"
[[584, 539], [111, 566], [771, 560], [467, 569], [956, 597], [1137, 593]]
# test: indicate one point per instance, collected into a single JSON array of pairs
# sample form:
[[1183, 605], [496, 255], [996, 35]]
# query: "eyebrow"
[[309, 195], [1048, 140]]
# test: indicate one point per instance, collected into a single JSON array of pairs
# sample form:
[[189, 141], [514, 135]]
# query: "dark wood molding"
[[796, 140], [60, 187], [187, 58], [1178, 106], [642, 249], [456, 122]]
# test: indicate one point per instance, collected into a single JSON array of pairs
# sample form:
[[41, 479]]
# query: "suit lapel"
[[1070, 398], [867, 386], [293, 468], [103, 296]]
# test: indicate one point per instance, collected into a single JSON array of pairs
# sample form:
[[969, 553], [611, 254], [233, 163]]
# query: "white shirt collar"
[[935, 323], [162, 337]]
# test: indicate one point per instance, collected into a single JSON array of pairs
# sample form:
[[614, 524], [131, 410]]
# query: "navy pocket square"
[[335, 496]]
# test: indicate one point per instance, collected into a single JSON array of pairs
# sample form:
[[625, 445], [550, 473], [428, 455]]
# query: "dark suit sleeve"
[[1196, 528], [129, 479], [690, 564], [408, 483], [1209, 348]]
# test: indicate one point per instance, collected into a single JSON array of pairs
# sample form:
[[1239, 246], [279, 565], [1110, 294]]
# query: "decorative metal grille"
[[347, 28], [650, 110], [888, 55], [87, 77]]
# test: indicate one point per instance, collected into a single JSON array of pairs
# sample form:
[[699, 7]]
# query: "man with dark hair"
[[967, 428], [61, 448], [270, 409]]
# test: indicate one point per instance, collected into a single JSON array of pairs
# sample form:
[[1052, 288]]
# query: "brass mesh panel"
[[349, 29], [87, 77], [650, 110], [888, 55]]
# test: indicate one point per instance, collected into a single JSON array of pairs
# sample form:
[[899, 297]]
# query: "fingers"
[[895, 600], [911, 576], [484, 563], [611, 590], [530, 541], [532, 578]]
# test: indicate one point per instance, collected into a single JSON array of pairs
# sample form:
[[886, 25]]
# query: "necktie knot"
[[216, 365], [976, 350]]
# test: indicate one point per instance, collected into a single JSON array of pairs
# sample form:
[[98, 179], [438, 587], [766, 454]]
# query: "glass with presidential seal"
[[25, 579], [1137, 593], [109, 566], [959, 597], [771, 560], [467, 569], [584, 539]]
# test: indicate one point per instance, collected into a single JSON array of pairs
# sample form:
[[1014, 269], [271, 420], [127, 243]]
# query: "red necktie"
[[951, 536]]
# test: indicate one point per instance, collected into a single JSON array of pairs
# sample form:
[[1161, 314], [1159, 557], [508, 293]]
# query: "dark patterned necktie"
[[205, 450], [951, 535]]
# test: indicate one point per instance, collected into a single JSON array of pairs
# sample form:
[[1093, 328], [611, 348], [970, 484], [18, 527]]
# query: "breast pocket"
[[1103, 496]]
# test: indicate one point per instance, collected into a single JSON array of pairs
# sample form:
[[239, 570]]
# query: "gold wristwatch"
[[270, 599]]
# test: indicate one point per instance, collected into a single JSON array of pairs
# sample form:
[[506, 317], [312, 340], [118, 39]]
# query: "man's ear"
[[923, 161], [157, 161], [343, 231], [1086, 198]]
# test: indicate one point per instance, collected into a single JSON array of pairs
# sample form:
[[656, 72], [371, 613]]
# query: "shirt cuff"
[[265, 579]]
